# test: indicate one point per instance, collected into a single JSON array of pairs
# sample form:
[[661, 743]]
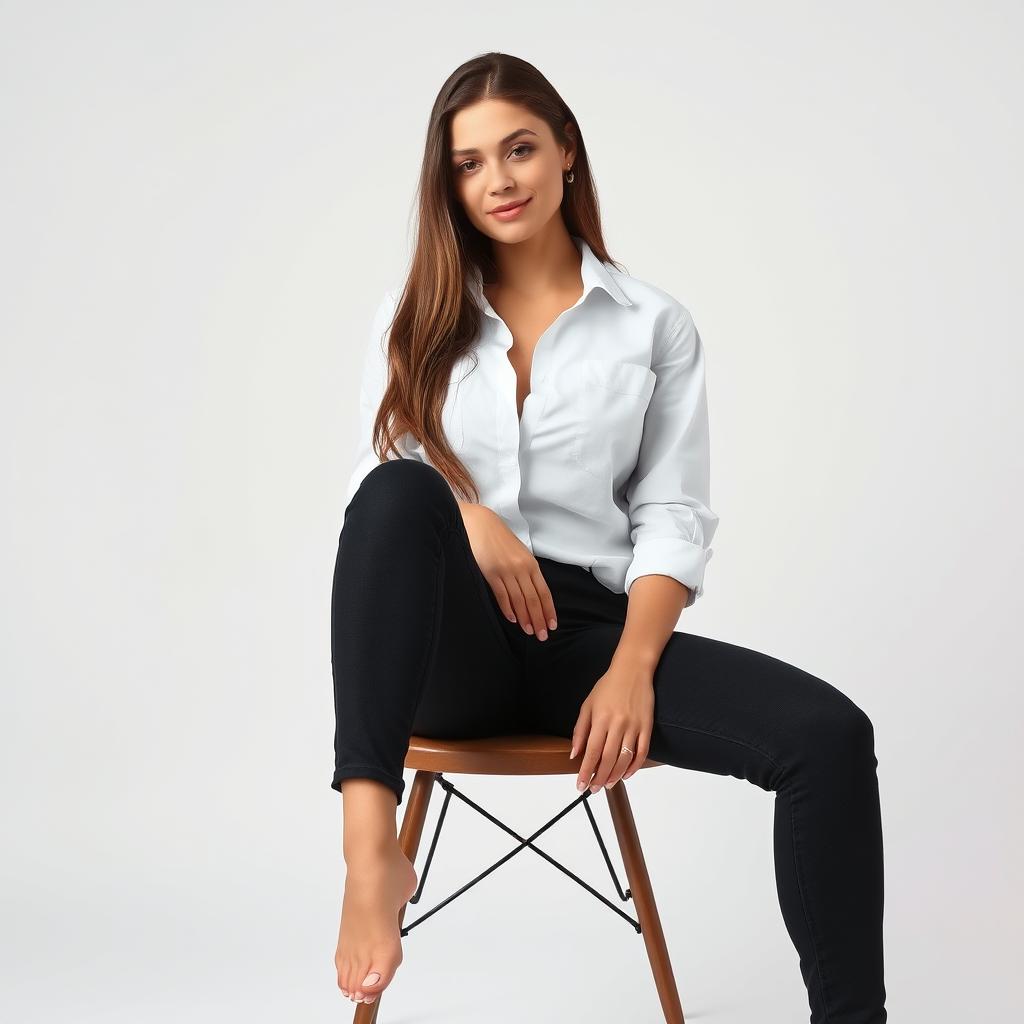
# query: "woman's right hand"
[[511, 569]]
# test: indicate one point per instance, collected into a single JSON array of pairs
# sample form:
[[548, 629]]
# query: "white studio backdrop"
[[202, 205]]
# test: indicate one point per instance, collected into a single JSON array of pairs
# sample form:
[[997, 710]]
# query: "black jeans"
[[419, 645]]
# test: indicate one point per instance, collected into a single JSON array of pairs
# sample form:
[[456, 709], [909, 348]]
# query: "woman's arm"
[[672, 526], [668, 498], [655, 604]]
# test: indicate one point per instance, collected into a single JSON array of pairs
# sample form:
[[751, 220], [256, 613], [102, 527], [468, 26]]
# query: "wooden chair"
[[432, 759]]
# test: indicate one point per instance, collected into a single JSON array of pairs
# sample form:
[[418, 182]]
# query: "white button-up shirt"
[[609, 468]]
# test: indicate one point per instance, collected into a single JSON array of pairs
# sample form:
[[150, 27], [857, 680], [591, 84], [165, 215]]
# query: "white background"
[[202, 204]]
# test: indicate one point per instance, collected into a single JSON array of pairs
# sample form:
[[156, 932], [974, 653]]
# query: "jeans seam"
[[729, 739], [796, 861]]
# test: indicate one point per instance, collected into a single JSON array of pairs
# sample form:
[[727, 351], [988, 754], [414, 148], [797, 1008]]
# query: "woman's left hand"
[[619, 712]]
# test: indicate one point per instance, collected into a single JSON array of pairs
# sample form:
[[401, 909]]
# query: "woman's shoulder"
[[665, 311], [388, 302], [383, 314]]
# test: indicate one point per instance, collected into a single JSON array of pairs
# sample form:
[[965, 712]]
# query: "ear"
[[570, 146]]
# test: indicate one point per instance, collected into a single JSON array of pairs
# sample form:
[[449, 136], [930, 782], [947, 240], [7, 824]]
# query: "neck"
[[547, 262]]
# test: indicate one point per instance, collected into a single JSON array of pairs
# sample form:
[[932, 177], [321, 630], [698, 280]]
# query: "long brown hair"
[[437, 320]]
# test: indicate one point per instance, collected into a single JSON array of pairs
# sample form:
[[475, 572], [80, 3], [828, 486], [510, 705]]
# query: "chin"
[[516, 230]]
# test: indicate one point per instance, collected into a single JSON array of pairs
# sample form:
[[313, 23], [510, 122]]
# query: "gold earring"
[[569, 176]]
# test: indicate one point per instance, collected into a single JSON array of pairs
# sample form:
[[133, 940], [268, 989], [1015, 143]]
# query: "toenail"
[[372, 978]]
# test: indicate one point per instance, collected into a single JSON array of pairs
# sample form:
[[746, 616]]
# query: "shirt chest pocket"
[[601, 404]]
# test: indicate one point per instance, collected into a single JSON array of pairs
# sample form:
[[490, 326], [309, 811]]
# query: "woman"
[[527, 519]]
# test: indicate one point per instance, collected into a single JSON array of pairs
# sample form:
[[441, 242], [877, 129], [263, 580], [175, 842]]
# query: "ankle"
[[370, 852]]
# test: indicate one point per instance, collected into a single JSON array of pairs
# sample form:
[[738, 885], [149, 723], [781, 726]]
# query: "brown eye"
[[524, 146]]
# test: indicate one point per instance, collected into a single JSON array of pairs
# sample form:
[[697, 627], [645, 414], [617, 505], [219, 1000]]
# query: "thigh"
[[473, 678], [728, 709], [719, 707], [414, 630]]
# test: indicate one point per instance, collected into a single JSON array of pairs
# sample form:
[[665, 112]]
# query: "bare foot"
[[376, 889]]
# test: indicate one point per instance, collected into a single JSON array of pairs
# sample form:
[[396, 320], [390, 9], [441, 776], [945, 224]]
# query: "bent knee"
[[839, 728], [401, 485]]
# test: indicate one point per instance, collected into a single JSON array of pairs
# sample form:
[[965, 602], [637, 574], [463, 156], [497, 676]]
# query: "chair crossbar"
[[451, 790]]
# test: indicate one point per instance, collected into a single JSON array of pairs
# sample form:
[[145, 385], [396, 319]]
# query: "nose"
[[501, 186]]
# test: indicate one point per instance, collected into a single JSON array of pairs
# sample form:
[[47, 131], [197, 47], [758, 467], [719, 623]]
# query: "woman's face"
[[501, 153]]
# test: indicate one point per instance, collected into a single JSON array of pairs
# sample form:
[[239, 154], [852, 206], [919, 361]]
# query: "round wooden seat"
[[497, 755]]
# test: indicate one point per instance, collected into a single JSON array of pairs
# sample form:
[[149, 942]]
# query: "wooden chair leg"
[[409, 839], [643, 900]]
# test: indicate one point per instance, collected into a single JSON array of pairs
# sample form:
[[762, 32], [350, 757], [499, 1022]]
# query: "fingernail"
[[529, 628], [572, 753], [543, 634], [594, 789], [553, 623], [580, 785]]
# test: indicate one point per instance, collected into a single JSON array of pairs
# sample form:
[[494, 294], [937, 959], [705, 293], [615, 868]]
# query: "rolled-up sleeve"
[[371, 391], [668, 494]]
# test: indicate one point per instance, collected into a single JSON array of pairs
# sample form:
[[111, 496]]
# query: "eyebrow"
[[508, 138]]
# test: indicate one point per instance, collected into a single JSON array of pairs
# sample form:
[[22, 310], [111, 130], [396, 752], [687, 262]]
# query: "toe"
[[345, 980], [350, 980], [372, 983]]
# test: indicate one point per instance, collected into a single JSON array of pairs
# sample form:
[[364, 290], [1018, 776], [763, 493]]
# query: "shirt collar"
[[595, 275]]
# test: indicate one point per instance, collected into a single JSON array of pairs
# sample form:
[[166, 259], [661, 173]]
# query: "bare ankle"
[[360, 855], [370, 829]]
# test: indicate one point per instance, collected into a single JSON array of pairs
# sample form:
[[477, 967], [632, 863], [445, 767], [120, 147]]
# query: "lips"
[[510, 206]]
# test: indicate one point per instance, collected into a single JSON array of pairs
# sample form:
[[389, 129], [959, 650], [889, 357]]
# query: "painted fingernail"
[[572, 753], [553, 623], [580, 785], [543, 634]]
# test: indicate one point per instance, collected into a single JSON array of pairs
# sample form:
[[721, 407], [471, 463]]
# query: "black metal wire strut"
[[450, 791]]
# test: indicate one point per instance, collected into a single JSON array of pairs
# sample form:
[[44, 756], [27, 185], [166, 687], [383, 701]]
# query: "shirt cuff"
[[666, 556]]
